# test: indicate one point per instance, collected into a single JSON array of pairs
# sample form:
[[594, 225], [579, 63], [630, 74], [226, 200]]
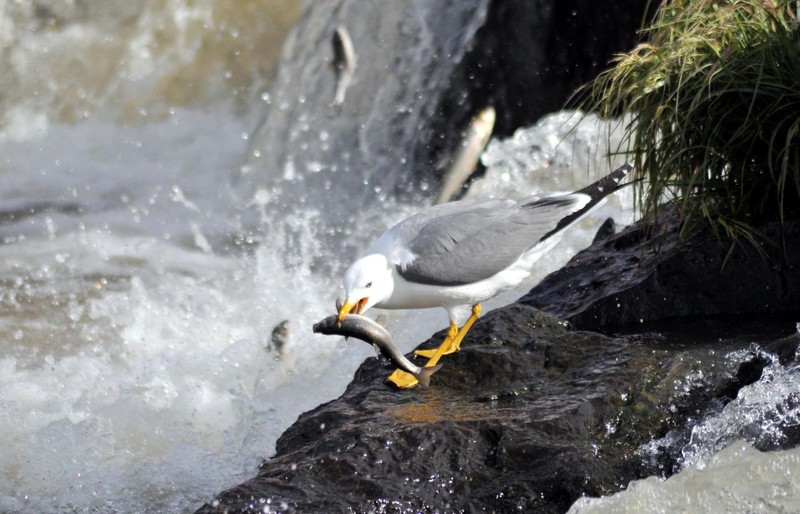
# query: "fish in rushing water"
[[468, 154], [279, 337], [361, 327], [344, 62]]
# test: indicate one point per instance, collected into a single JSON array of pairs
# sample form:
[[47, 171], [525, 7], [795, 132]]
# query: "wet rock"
[[529, 415], [606, 230], [629, 279]]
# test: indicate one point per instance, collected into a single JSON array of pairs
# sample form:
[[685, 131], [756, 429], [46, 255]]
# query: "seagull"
[[459, 254]]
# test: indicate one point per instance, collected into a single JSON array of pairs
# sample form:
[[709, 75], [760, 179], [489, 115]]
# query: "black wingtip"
[[608, 184], [596, 192]]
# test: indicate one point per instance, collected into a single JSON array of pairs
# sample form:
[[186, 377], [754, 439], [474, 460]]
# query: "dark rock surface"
[[637, 281], [528, 416]]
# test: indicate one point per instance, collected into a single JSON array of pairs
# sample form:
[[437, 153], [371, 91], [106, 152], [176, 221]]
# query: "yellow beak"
[[351, 306]]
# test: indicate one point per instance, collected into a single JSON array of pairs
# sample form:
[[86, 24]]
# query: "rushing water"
[[136, 372], [722, 471], [136, 320], [136, 308]]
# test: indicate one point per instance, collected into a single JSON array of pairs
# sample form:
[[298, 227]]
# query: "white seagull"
[[459, 254]]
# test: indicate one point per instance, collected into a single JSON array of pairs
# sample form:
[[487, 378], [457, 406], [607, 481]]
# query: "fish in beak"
[[350, 307]]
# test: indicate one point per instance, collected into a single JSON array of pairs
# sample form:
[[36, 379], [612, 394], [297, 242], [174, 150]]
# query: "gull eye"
[[369, 284]]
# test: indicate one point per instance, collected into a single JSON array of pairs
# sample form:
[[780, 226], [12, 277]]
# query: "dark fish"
[[344, 62], [361, 327], [280, 336]]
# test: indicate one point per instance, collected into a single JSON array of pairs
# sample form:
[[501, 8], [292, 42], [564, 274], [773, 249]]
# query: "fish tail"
[[424, 376]]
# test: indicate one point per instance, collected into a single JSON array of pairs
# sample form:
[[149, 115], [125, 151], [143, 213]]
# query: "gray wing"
[[465, 246]]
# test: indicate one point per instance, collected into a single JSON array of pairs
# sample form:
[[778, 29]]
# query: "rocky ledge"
[[534, 411], [631, 278]]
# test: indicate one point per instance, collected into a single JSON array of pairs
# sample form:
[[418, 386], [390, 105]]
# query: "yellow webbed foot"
[[450, 344], [445, 348], [402, 379]]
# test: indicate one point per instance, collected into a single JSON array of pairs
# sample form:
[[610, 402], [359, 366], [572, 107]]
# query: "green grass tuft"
[[714, 99]]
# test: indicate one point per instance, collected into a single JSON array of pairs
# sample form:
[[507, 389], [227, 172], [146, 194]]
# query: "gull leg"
[[476, 311], [405, 380], [452, 344], [452, 333]]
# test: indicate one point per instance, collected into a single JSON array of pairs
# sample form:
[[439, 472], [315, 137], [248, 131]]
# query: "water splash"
[[562, 152], [739, 478], [723, 468], [765, 413], [133, 324]]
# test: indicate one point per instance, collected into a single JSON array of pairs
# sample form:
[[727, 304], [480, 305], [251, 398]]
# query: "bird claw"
[[425, 353]]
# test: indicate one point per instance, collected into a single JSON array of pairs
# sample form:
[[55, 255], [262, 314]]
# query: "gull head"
[[367, 282]]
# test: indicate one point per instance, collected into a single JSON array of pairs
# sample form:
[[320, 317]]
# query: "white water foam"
[[721, 469], [738, 479], [135, 374], [761, 413]]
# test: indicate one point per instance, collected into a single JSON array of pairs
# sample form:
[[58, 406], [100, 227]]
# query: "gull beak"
[[349, 307]]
